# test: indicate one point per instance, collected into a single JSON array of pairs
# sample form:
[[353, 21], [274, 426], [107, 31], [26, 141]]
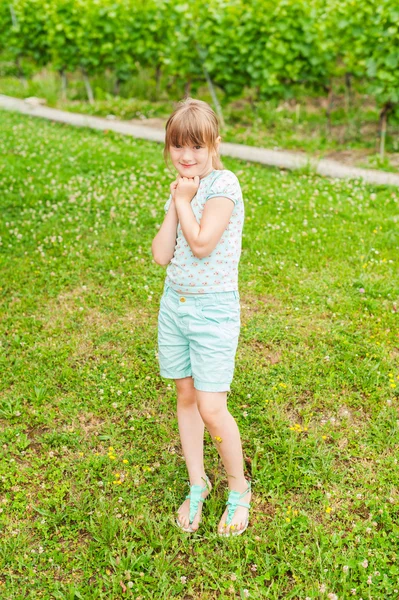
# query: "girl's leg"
[[221, 425], [191, 428]]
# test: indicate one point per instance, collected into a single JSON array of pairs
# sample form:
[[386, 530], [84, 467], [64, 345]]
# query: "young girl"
[[199, 316]]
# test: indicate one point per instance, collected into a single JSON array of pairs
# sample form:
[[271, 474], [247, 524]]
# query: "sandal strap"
[[195, 498], [239, 504], [233, 502]]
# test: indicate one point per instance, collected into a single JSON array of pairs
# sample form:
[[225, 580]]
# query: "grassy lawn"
[[92, 470]]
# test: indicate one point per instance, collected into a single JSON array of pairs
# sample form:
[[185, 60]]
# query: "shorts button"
[[182, 299]]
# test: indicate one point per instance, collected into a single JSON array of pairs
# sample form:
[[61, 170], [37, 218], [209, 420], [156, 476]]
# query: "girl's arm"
[[163, 244]]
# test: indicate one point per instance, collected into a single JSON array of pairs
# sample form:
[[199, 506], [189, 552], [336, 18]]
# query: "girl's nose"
[[186, 154]]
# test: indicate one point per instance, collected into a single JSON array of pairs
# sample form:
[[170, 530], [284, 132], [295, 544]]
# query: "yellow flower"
[[288, 520], [217, 438], [125, 461], [110, 449], [328, 509], [324, 437]]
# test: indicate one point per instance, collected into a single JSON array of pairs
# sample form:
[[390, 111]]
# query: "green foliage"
[[372, 34], [271, 46], [24, 31]]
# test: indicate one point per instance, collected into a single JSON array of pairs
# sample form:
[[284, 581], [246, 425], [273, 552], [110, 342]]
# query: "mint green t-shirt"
[[217, 272]]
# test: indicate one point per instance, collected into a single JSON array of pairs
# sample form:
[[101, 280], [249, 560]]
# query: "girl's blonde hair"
[[193, 122]]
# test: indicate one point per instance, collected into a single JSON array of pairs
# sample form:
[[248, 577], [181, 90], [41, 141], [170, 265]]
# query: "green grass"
[[299, 124], [92, 470]]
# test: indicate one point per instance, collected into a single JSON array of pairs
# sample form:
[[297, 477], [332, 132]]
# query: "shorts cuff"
[[208, 386], [178, 375]]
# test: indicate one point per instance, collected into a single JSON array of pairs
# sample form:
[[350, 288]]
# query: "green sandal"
[[195, 499], [232, 503]]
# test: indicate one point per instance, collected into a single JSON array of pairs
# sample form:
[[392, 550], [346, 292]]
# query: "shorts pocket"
[[220, 314], [163, 306]]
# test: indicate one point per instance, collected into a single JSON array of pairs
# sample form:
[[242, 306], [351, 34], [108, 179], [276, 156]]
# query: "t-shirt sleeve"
[[226, 185], [167, 204]]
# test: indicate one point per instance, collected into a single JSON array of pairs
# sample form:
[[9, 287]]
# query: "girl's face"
[[192, 160]]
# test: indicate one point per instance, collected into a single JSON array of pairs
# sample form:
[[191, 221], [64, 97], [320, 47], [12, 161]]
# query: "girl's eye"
[[178, 146]]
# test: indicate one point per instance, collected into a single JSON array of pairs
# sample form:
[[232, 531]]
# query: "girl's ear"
[[218, 139]]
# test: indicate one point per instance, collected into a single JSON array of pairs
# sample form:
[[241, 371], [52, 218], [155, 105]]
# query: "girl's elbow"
[[161, 261], [201, 251]]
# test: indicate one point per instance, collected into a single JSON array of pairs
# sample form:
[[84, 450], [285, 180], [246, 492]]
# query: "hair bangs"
[[190, 130]]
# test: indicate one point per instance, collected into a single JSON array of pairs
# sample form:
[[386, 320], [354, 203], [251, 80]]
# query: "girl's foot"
[[241, 514], [184, 510]]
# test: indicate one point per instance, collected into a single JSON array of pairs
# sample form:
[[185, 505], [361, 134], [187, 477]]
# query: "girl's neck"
[[206, 175]]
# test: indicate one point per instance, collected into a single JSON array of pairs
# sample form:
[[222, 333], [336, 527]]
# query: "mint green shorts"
[[198, 337]]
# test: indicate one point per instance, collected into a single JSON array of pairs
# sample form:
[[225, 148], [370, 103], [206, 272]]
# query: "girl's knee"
[[185, 391], [185, 386], [212, 406]]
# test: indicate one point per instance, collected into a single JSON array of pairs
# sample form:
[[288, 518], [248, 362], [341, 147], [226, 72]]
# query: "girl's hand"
[[186, 188], [173, 187]]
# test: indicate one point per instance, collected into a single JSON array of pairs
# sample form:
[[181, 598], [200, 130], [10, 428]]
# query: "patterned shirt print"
[[217, 272]]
